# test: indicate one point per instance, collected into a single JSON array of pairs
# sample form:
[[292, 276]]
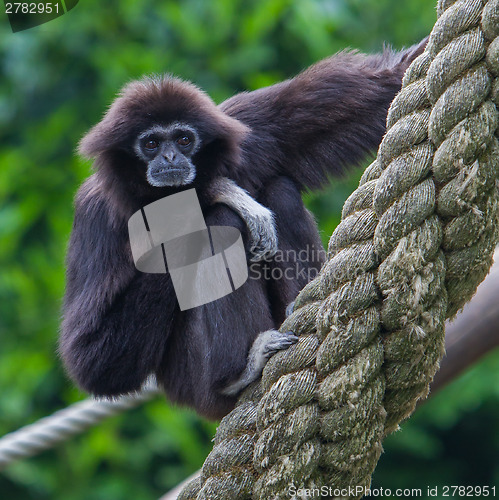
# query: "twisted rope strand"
[[64, 424]]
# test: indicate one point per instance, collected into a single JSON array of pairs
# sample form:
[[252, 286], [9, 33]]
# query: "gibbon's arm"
[[326, 118], [116, 320]]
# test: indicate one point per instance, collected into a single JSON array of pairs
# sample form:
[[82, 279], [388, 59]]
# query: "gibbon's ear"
[[111, 132]]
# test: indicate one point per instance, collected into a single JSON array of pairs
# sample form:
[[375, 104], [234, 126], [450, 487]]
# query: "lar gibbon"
[[164, 135]]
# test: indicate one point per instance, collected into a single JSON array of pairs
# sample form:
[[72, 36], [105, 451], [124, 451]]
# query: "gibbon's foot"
[[265, 345]]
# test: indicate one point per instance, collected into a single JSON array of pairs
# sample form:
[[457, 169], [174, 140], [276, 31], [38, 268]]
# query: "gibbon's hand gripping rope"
[[416, 239]]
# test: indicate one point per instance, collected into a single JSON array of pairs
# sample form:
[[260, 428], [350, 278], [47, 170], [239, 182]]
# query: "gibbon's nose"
[[169, 156]]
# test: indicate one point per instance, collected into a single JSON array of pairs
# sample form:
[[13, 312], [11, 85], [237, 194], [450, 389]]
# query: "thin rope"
[[64, 424]]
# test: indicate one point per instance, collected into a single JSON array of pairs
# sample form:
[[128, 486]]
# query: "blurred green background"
[[55, 82]]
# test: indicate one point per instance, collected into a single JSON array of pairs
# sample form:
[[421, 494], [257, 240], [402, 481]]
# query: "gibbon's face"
[[167, 151]]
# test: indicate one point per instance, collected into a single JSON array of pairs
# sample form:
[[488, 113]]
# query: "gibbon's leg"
[[298, 259]]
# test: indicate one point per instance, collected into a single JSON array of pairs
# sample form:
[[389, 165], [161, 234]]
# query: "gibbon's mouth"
[[170, 177]]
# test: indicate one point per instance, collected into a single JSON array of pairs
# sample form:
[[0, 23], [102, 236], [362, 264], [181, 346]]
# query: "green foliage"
[[55, 82]]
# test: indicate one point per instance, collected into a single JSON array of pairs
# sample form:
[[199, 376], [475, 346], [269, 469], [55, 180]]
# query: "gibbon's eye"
[[184, 140], [151, 145]]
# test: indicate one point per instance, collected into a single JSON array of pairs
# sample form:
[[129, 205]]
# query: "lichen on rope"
[[416, 239]]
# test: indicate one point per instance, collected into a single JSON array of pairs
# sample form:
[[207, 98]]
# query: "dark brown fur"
[[121, 325]]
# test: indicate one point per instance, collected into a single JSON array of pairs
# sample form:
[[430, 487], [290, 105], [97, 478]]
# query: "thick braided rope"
[[430, 273], [415, 241]]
